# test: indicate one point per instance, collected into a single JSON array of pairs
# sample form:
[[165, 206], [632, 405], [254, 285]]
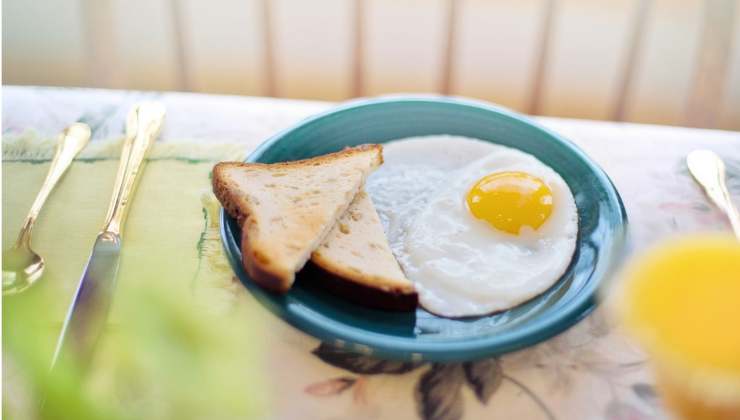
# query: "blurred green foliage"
[[167, 358]]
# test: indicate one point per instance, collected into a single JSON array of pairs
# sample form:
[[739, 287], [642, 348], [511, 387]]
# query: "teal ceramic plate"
[[421, 335]]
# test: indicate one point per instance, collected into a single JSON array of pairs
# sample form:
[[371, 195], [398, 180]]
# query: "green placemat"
[[171, 245]]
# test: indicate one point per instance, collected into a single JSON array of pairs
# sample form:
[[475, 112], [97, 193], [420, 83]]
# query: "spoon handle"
[[142, 127], [708, 170], [71, 141]]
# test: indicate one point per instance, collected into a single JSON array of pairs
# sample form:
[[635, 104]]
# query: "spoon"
[[21, 265], [709, 171]]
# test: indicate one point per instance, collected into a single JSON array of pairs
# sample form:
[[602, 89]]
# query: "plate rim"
[[380, 345]]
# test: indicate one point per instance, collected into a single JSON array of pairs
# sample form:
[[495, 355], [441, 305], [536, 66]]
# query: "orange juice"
[[681, 301]]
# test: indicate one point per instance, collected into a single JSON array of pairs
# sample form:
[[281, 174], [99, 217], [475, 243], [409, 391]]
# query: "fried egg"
[[479, 228]]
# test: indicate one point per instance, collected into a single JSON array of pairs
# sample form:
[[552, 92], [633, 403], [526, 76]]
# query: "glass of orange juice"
[[681, 302]]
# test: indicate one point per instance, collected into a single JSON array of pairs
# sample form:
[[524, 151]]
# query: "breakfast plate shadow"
[[602, 224]]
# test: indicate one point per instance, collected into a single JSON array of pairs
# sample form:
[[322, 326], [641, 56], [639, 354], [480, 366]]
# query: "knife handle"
[[143, 125]]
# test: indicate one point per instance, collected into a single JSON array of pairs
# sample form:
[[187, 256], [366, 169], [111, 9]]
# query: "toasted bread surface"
[[287, 209], [357, 251]]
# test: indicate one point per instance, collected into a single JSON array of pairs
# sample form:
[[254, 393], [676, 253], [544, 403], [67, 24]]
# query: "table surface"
[[590, 371]]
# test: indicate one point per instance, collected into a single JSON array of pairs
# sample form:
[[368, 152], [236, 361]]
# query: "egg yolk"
[[510, 200]]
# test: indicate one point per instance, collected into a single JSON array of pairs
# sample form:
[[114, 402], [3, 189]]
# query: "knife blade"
[[87, 314]]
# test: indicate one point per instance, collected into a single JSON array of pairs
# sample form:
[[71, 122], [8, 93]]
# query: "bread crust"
[[260, 273], [313, 161], [384, 285], [257, 264], [263, 274], [313, 275]]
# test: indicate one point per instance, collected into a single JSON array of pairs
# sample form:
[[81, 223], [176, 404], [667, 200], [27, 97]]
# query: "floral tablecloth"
[[590, 371]]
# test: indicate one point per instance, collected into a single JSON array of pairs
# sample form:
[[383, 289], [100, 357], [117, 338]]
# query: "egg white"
[[462, 266]]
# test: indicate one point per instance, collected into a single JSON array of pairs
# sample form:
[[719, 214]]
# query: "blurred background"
[[656, 61]]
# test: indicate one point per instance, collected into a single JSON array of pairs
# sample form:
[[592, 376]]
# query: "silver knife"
[[87, 314]]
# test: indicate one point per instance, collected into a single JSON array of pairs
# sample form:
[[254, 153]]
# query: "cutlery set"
[[22, 267]]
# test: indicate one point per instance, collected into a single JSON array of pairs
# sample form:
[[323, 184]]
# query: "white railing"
[[663, 61]]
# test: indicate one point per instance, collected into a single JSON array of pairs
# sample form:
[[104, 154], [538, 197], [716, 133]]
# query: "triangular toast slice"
[[358, 263], [287, 209]]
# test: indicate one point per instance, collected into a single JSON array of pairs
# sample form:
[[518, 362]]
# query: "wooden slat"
[[663, 76], [494, 57], [711, 64], [449, 46], [588, 41], [313, 44], [144, 33], [179, 33], [223, 46], [729, 114], [102, 50], [268, 48], [542, 56], [358, 48], [631, 58], [43, 43], [402, 45]]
